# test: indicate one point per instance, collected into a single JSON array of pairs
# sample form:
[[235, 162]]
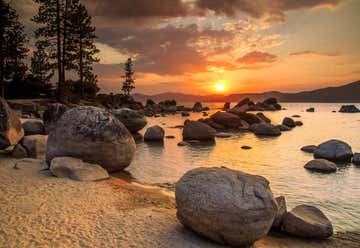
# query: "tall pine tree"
[[12, 46], [80, 48], [41, 68], [128, 84]]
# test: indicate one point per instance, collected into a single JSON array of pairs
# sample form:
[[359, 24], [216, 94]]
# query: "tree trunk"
[[2, 82], [81, 69], [59, 62]]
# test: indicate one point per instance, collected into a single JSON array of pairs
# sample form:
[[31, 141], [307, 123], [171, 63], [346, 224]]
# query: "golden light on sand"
[[220, 86]]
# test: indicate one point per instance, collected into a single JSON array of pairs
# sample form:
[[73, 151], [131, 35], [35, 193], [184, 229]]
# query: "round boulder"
[[11, 131], [226, 119], [334, 150], [321, 165], [93, 135], [307, 222], [52, 114], [265, 129], [132, 119], [226, 206], [196, 130], [289, 122], [154, 133]]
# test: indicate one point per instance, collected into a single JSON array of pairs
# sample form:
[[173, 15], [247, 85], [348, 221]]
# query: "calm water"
[[278, 159]]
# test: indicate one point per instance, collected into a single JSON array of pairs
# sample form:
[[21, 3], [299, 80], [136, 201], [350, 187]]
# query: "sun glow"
[[220, 86]]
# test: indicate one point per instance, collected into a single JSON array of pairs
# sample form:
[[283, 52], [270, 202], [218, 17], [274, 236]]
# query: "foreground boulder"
[[132, 119], [334, 150], [196, 130], [356, 159], [349, 109], [226, 206], [265, 129], [35, 145], [93, 135], [32, 127], [281, 211], [52, 114], [154, 133], [307, 222], [226, 119], [289, 122], [11, 131], [76, 169], [321, 165], [309, 149]]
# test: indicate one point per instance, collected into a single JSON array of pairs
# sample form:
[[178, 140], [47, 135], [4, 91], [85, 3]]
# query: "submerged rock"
[[310, 109], [249, 118], [307, 222], [349, 109], [246, 147], [309, 149], [299, 123], [321, 165], [132, 119], [226, 206], [334, 150], [32, 127], [154, 133], [52, 114], [283, 128], [265, 129], [263, 117], [197, 107], [289, 122], [185, 114], [281, 211], [11, 131], [35, 145], [196, 130], [76, 169], [183, 143], [223, 135], [93, 135]]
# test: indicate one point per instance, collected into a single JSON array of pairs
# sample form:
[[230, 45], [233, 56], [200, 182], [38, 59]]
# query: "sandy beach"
[[39, 210]]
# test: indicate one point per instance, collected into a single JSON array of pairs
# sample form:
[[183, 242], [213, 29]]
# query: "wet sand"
[[39, 210]]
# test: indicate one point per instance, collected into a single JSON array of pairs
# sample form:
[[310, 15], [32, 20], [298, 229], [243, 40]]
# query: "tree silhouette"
[[40, 65], [12, 46], [128, 84]]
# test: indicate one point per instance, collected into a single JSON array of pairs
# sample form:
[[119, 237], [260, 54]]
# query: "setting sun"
[[220, 87]]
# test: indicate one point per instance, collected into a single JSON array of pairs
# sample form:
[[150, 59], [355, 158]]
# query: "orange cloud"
[[257, 57], [314, 53]]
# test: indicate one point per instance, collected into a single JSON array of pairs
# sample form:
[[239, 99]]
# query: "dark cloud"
[[257, 57], [314, 53]]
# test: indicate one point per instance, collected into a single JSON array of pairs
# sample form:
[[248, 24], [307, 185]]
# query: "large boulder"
[[226, 119], [356, 159], [334, 150], [265, 129], [132, 119], [321, 165], [93, 135], [281, 211], [307, 222], [11, 131], [349, 109], [76, 169], [263, 118], [197, 107], [196, 130], [226, 206], [52, 114], [154, 133], [32, 127], [249, 118], [287, 121], [35, 145]]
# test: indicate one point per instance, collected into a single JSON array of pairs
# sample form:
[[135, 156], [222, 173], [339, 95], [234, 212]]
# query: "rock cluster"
[[132, 119]]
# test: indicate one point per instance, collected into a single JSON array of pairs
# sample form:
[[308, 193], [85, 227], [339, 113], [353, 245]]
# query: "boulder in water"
[[223, 135], [310, 109], [196, 130], [309, 149], [265, 129], [307, 222], [289, 122], [93, 135], [197, 107], [11, 131], [281, 211], [356, 159], [76, 169], [226, 119], [283, 128], [349, 109], [249, 118], [334, 150], [321, 165], [154, 133], [226, 206], [263, 117], [132, 119]]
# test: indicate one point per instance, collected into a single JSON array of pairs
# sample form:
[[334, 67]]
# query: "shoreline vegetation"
[[39, 210]]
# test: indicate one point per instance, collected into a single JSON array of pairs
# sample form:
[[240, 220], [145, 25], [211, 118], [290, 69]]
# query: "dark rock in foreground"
[[265, 129], [281, 211], [196, 130], [132, 119], [32, 127], [334, 150], [226, 206], [154, 133], [307, 222], [76, 169], [93, 135], [11, 131], [349, 109], [321, 165], [309, 149]]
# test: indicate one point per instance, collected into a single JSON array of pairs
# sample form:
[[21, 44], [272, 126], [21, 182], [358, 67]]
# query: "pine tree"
[[40, 65], [128, 84], [80, 48], [12, 46]]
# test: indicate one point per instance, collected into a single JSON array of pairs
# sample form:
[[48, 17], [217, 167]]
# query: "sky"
[[223, 46]]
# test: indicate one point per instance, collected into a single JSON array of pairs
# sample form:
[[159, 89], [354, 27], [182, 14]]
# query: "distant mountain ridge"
[[346, 93]]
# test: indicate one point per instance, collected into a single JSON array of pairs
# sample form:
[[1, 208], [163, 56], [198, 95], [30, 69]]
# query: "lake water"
[[278, 159]]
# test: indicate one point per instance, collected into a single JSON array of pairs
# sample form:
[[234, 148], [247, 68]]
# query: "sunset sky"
[[224, 46]]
